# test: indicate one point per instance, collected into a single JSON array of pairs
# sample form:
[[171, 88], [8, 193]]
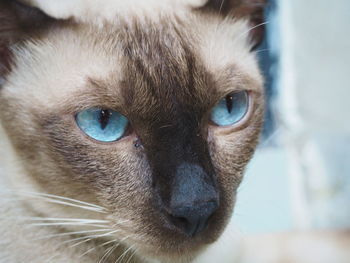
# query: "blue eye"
[[231, 109], [102, 124]]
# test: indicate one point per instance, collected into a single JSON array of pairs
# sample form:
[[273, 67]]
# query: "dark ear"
[[250, 9], [18, 22]]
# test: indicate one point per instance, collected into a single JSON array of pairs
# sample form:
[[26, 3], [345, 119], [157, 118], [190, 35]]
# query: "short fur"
[[165, 73]]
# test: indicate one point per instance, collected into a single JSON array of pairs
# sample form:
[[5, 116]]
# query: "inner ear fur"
[[253, 10], [18, 22]]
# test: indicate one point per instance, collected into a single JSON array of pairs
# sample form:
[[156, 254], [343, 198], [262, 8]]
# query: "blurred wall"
[[315, 105]]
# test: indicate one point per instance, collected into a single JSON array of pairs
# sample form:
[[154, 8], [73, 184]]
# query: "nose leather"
[[193, 199]]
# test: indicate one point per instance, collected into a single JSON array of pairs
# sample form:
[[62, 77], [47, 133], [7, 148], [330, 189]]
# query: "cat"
[[125, 136]]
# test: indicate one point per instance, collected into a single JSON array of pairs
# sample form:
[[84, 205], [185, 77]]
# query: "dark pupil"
[[229, 103], [104, 118]]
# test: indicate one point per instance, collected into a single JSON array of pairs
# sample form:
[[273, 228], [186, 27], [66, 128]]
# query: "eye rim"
[[244, 121], [126, 135]]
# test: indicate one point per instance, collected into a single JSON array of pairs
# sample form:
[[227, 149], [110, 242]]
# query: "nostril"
[[179, 222], [193, 219]]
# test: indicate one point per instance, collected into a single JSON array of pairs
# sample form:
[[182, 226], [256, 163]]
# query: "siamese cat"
[[126, 128]]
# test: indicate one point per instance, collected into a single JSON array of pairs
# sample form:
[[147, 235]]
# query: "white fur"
[[225, 43], [95, 10]]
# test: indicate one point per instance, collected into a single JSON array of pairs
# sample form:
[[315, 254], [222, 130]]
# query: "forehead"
[[162, 70], [145, 63]]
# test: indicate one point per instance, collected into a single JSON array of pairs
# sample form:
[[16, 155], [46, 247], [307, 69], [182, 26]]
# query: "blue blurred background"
[[299, 178]]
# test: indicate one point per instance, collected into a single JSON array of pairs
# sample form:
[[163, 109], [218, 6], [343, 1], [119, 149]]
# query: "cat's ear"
[[18, 22], [253, 10]]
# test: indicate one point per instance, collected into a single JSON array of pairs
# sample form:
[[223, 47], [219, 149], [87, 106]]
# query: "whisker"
[[270, 138], [221, 5], [132, 255], [250, 29], [122, 222], [216, 29], [67, 219], [49, 200], [90, 236], [124, 254], [87, 240], [107, 253], [52, 221], [111, 252], [166, 126], [67, 224], [262, 50], [91, 249], [50, 258], [106, 243], [62, 200], [65, 198], [72, 233], [82, 242]]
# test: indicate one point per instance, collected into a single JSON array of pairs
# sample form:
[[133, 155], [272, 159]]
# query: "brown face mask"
[[185, 92]]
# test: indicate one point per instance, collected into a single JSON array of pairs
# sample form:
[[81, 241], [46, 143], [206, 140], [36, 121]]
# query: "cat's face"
[[169, 180]]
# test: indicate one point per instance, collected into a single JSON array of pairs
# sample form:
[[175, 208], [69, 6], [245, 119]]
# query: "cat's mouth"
[[175, 248], [161, 238]]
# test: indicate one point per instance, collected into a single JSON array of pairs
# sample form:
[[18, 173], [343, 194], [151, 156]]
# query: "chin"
[[160, 239]]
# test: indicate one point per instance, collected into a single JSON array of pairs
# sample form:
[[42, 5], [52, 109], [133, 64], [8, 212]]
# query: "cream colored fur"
[[63, 76], [20, 242], [95, 10]]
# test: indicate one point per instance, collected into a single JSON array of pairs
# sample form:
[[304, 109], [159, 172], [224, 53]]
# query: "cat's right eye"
[[102, 124]]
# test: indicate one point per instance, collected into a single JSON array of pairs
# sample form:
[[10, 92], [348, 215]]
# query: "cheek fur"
[[105, 165], [230, 154]]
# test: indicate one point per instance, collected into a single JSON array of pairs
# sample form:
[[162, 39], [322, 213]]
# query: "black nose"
[[194, 198], [193, 219]]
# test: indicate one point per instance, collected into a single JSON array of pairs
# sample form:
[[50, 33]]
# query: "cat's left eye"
[[231, 109], [102, 124]]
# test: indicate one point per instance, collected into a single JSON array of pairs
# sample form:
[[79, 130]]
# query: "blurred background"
[[299, 179]]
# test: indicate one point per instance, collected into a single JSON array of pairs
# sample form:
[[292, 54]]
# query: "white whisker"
[[132, 255], [81, 242], [50, 258], [86, 240], [250, 29], [65, 198], [123, 254], [67, 224], [72, 233], [91, 249], [91, 237], [221, 5], [107, 253], [106, 243], [61, 200], [123, 221], [49, 200], [67, 219], [271, 138], [262, 50]]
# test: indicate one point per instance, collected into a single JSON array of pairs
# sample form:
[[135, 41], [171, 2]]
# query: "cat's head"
[[153, 116]]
